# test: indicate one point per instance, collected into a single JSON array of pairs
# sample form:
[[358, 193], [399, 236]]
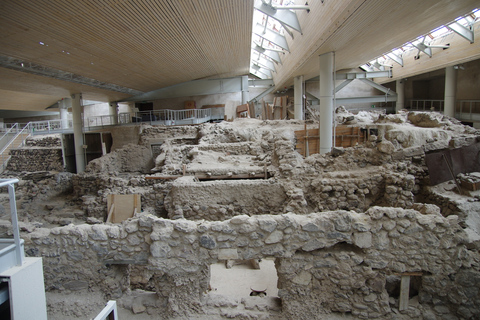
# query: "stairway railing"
[[15, 142]]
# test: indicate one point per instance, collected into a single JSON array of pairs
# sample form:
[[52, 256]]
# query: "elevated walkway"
[[465, 110], [164, 117], [15, 136]]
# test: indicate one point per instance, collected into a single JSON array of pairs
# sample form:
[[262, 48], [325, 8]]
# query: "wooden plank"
[[110, 212], [203, 176], [345, 136], [404, 293], [122, 206], [109, 207], [163, 177], [414, 273]]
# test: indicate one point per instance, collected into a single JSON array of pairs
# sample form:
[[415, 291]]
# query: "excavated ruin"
[[343, 229]]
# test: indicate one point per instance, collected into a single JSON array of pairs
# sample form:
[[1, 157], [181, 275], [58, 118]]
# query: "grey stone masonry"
[[330, 261]]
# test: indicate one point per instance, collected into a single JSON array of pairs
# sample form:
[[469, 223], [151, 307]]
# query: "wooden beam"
[[203, 176], [404, 293]]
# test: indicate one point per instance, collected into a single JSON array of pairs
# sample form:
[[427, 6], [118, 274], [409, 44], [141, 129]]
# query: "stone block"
[[362, 239], [208, 242], [227, 254], [274, 237]]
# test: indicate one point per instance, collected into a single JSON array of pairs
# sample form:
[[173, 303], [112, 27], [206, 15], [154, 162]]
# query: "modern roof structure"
[[113, 50]]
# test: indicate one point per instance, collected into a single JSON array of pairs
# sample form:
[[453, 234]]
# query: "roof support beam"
[[425, 48], [263, 94], [378, 86], [39, 70], [343, 85], [398, 59], [271, 36], [260, 83], [286, 17], [341, 101], [192, 88], [463, 31], [272, 54], [266, 63], [364, 75], [260, 69], [259, 74]]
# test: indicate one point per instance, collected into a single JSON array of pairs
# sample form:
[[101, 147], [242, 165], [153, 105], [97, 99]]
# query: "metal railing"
[[10, 184], [109, 312], [17, 141], [468, 110], [425, 105], [165, 117], [100, 121], [49, 126]]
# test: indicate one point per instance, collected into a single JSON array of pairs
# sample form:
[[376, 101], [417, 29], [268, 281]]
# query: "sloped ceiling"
[[141, 45], [144, 45], [360, 30]]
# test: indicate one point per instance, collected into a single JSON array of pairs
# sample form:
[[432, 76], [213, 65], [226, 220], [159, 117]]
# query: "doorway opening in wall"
[[244, 278], [393, 287]]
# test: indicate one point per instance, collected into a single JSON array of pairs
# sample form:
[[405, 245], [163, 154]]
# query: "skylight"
[[269, 33], [425, 40]]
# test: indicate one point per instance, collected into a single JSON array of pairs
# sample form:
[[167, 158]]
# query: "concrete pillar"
[[63, 106], [450, 88], [298, 92], [245, 93], [78, 132], [400, 88], [114, 112], [326, 102]]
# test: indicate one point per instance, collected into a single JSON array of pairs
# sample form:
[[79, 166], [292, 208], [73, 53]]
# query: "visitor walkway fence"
[[14, 135]]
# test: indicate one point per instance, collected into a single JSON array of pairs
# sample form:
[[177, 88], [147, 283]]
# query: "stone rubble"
[[342, 227]]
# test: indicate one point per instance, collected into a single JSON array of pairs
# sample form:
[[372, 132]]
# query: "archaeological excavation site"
[[358, 233], [250, 160]]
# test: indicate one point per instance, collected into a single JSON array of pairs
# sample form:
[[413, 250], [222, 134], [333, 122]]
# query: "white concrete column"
[[114, 112], [245, 93], [450, 88], [298, 92], [326, 102], [78, 132], [63, 108], [400, 89]]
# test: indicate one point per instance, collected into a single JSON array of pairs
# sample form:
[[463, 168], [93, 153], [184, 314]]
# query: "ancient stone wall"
[[94, 189], [220, 200], [330, 261], [46, 141], [41, 153], [35, 159]]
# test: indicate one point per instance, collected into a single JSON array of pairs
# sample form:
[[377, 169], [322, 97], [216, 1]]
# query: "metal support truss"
[[262, 70], [389, 94], [255, 83], [343, 85], [371, 99], [258, 74], [364, 75], [285, 17], [193, 88], [425, 48], [398, 59], [271, 36], [380, 66], [266, 63], [263, 94], [39, 70], [272, 54], [465, 32]]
